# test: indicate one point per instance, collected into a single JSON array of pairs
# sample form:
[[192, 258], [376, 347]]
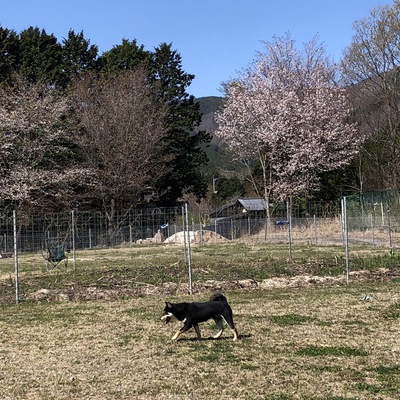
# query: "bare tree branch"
[[122, 129]]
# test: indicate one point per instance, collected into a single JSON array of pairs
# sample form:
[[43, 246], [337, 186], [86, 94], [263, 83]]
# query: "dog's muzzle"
[[166, 318]]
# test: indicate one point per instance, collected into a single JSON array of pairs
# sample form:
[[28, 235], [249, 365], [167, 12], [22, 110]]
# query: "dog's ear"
[[168, 304]]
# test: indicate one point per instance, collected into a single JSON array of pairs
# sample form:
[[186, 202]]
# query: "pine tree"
[[78, 56], [9, 54], [40, 57], [183, 142]]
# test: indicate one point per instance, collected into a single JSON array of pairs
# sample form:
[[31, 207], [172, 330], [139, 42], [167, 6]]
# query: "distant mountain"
[[220, 162], [209, 106], [209, 103]]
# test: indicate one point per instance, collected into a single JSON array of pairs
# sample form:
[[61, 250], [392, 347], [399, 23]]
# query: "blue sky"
[[216, 38]]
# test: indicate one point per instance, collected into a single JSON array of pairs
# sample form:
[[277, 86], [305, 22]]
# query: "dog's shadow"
[[210, 338]]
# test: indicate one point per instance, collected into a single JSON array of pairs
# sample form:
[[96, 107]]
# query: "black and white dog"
[[192, 314]]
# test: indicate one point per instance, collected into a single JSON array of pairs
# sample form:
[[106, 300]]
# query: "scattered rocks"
[[49, 295]]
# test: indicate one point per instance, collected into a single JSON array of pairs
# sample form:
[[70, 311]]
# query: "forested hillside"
[[219, 161], [208, 107]]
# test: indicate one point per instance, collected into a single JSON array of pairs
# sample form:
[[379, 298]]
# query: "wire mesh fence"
[[373, 219], [123, 239], [86, 230]]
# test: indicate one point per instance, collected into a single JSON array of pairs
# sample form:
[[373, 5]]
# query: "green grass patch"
[[385, 370], [388, 376], [393, 311], [334, 351], [291, 319], [218, 351], [374, 389]]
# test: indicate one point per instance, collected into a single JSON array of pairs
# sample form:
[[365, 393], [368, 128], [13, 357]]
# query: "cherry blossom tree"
[[36, 158], [287, 113]]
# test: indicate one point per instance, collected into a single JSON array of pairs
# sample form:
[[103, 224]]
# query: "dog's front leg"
[[182, 330], [177, 334]]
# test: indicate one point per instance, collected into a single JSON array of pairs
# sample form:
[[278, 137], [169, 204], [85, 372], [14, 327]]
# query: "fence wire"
[[368, 220], [373, 219], [95, 230]]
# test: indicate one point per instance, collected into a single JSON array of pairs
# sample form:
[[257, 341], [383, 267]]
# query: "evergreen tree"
[[40, 56], [183, 142], [9, 54], [78, 56], [126, 56]]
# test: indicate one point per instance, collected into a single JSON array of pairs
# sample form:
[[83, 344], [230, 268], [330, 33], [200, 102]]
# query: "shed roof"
[[253, 204]]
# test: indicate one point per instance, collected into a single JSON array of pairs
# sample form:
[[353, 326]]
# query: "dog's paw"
[[175, 337]]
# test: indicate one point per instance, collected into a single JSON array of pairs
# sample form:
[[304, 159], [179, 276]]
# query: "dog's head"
[[167, 313]]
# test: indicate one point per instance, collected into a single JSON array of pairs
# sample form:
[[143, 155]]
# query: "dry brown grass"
[[298, 343], [329, 231]]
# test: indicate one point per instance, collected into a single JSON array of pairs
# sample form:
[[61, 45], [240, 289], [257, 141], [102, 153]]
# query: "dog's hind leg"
[[220, 327], [235, 334], [229, 320], [233, 328], [197, 329]]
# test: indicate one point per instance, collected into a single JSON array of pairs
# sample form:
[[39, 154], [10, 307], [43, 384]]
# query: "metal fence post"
[[184, 238], [15, 256], [315, 229], [188, 250], [389, 231], [346, 236], [289, 219], [73, 237]]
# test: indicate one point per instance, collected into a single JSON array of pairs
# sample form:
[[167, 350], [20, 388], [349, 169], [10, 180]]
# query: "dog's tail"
[[218, 296]]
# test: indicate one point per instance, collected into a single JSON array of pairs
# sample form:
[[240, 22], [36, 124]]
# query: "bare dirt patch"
[[114, 290]]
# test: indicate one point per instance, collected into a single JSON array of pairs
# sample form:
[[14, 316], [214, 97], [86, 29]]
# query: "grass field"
[[320, 340]]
